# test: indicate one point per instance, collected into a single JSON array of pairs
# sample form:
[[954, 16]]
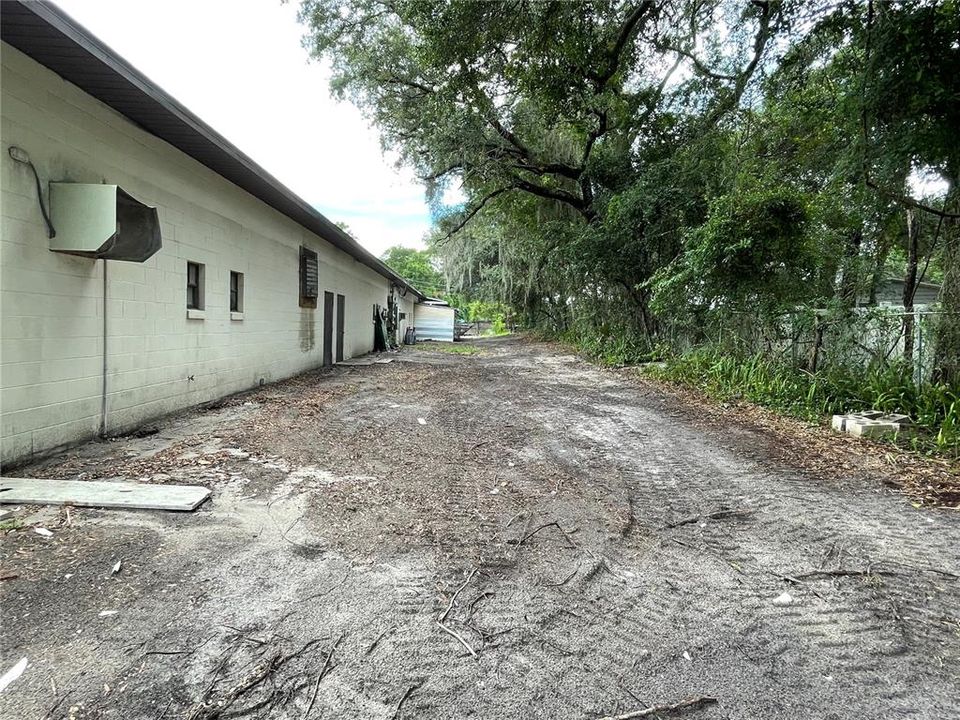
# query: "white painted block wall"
[[51, 305]]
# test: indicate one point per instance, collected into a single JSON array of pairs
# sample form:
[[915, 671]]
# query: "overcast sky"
[[240, 66]]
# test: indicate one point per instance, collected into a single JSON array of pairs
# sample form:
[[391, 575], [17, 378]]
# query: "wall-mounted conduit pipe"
[[20, 155], [102, 431]]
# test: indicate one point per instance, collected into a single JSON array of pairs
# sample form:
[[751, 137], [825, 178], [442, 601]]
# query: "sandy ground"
[[507, 534]]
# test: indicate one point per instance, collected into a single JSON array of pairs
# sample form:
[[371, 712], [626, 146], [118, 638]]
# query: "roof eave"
[[87, 43]]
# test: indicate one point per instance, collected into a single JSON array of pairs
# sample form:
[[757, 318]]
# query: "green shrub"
[[499, 325]]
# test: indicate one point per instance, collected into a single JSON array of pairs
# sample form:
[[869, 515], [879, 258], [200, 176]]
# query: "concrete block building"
[[146, 264]]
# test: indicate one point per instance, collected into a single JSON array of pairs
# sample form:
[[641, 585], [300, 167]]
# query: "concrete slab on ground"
[[94, 493]]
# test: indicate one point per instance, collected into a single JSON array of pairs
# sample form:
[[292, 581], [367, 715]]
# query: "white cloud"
[[240, 67]]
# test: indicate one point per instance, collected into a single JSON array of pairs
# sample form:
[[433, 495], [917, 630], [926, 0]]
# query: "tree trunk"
[[813, 360], [946, 359], [946, 364], [910, 288], [850, 275]]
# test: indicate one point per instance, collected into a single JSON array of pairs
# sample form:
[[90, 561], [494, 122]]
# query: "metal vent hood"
[[102, 222]]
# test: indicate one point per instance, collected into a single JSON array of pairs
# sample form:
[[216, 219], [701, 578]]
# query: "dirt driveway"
[[506, 534]]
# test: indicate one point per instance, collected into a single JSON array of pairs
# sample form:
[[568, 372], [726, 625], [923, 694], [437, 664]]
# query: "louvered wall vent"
[[103, 222]]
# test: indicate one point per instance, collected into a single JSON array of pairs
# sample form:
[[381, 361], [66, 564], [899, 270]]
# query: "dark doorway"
[[341, 325], [379, 334], [327, 328]]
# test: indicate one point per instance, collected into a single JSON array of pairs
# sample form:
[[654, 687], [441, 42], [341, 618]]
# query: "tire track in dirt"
[[613, 610]]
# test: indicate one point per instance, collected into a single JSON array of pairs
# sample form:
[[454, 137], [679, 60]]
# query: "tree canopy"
[[417, 267], [643, 166]]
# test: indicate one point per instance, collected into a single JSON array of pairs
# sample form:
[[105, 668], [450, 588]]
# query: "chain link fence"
[[816, 339]]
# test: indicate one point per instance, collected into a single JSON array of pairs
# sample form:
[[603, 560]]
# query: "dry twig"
[[457, 593], [565, 580], [717, 515], [530, 534], [473, 605], [320, 676], [458, 637], [377, 640], [446, 612], [844, 573], [205, 711], [516, 517], [688, 704], [396, 713]]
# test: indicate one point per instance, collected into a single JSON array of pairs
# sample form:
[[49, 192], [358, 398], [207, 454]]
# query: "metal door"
[[327, 328], [341, 325]]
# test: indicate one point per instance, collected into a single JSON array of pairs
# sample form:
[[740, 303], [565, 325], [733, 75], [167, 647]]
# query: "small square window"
[[194, 286], [236, 292], [309, 278]]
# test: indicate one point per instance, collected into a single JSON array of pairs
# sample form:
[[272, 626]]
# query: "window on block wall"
[[309, 278], [236, 292], [194, 286]]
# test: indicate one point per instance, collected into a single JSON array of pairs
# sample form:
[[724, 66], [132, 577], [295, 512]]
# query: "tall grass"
[[935, 409], [615, 349]]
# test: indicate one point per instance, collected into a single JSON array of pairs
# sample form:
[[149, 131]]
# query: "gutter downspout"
[[102, 432]]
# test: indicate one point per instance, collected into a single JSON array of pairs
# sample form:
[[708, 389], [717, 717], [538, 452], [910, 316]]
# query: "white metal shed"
[[434, 320]]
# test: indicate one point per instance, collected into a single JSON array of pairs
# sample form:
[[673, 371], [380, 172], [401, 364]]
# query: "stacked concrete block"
[[870, 423], [872, 428]]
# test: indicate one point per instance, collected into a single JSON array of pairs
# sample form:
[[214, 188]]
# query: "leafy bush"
[[752, 249], [499, 325]]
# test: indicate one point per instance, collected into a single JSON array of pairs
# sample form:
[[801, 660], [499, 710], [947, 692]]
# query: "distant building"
[[890, 294], [435, 320], [173, 271]]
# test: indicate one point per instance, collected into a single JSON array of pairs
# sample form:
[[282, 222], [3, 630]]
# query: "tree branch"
[[577, 203], [908, 201], [627, 31], [550, 169], [502, 131], [598, 132], [394, 80], [743, 77], [439, 174], [699, 67], [531, 164], [652, 102], [474, 210]]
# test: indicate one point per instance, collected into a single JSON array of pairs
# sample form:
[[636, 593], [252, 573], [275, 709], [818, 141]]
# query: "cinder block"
[[872, 428], [839, 423], [896, 418]]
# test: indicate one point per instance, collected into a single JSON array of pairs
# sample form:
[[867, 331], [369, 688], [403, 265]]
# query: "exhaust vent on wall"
[[102, 222]]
